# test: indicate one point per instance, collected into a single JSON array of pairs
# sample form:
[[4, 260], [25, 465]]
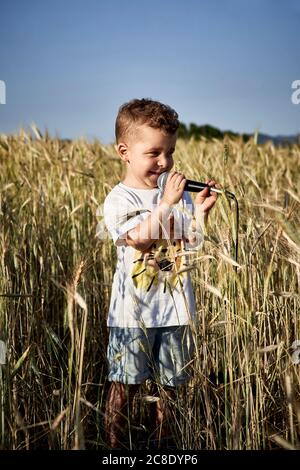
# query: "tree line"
[[207, 131]]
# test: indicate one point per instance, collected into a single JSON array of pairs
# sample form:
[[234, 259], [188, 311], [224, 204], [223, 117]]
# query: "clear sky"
[[69, 65]]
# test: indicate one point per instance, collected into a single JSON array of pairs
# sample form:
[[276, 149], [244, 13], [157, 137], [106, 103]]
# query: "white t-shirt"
[[150, 288]]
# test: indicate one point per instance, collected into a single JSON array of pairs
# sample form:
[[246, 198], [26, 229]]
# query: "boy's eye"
[[152, 155], [156, 154]]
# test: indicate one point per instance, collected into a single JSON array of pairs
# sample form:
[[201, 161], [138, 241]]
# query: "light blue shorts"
[[163, 354]]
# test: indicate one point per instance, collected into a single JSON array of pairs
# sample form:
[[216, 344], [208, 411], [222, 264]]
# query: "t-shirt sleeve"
[[120, 216]]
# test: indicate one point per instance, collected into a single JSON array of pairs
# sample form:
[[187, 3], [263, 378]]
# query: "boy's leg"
[[163, 418], [128, 368], [120, 396], [160, 417], [173, 351]]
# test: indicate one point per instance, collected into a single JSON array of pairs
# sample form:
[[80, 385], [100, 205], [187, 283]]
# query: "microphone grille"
[[162, 179]]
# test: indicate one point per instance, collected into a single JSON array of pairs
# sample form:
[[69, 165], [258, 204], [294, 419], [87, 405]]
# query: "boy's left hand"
[[206, 198]]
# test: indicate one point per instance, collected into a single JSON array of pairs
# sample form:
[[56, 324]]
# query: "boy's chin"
[[153, 177]]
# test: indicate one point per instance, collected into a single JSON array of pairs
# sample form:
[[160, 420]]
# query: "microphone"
[[196, 187], [191, 186]]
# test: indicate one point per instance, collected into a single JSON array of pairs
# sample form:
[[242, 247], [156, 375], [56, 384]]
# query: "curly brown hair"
[[145, 111]]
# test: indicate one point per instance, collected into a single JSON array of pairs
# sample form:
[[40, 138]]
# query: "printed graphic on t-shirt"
[[163, 262]]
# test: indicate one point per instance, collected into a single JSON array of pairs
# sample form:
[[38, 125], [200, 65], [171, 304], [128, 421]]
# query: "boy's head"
[[146, 133], [137, 112]]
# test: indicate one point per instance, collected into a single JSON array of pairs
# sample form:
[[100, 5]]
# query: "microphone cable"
[[237, 221]]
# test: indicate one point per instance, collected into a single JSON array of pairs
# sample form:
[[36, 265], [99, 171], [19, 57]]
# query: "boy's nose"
[[163, 162]]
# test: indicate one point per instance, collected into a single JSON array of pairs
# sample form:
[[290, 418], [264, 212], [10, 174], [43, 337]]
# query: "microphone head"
[[162, 179]]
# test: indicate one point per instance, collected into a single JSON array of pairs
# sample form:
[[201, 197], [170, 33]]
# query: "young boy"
[[152, 301]]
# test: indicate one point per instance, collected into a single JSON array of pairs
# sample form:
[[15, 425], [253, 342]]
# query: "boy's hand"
[[206, 199], [174, 188]]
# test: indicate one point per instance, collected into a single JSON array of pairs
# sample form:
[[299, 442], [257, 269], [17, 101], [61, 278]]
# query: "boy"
[[152, 301]]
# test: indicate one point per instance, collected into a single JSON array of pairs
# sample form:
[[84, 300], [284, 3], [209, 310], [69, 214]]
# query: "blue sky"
[[69, 65]]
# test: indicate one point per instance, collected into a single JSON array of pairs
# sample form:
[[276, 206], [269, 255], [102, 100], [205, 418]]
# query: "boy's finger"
[[171, 174], [205, 192], [211, 182], [179, 175], [180, 182]]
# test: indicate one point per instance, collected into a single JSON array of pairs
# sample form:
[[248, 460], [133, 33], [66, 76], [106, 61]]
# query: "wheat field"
[[55, 281]]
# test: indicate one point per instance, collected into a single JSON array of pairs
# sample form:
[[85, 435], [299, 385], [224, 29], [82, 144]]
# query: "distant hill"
[[279, 139], [211, 132]]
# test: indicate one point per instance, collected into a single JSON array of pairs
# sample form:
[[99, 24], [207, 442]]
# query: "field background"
[[55, 281]]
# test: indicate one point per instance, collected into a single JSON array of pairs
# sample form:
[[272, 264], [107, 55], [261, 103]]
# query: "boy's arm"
[[197, 228], [204, 201], [144, 234]]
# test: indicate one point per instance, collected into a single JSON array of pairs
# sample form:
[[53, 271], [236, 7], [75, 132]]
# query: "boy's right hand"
[[174, 188]]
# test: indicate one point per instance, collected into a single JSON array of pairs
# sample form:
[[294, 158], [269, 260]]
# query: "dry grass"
[[55, 284]]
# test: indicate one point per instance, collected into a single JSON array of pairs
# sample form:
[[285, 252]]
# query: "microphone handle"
[[195, 187]]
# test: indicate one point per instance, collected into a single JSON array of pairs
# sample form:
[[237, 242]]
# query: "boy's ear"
[[122, 151]]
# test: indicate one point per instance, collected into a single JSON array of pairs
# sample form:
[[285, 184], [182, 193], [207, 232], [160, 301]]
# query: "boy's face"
[[147, 154]]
